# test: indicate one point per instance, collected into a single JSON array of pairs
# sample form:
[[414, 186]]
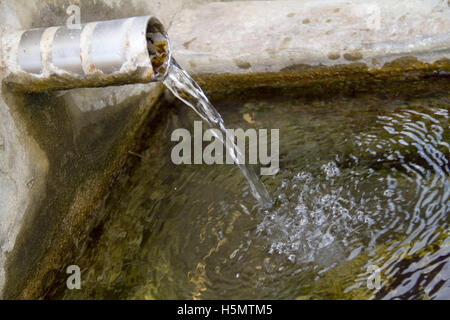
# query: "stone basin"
[[61, 151]]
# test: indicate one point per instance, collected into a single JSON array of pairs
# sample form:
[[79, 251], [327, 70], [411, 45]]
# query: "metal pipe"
[[114, 52]]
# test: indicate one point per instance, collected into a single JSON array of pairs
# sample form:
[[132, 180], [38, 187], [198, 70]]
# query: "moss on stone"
[[81, 169], [402, 76]]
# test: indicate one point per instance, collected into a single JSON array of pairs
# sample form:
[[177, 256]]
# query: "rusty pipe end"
[[159, 49], [113, 52]]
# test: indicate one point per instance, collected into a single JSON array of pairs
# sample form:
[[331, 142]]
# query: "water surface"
[[363, 182]]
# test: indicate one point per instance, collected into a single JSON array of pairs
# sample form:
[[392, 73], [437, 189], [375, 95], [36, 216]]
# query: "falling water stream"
[[188, 91]]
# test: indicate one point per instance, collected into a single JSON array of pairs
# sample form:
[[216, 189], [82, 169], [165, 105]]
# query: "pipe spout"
[[105, 53]]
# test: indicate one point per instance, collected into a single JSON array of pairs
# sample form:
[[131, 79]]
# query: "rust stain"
[[285, 43], [158, 61], [353, 56], [334, 55], [187, 43], [149, 75], [242, 64]]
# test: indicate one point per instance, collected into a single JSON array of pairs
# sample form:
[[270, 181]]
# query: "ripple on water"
[[362, 183]]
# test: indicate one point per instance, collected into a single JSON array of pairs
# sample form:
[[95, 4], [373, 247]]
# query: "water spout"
[[114, 52]]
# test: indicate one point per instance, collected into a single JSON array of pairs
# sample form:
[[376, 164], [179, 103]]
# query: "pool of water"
[[361, 209]]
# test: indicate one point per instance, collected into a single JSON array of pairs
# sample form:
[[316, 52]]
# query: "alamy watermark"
[[374, 278], [74, 19], [214, 152], [74, 280]]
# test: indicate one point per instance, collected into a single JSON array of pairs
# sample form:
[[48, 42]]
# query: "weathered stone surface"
[[267, 36], [59, 151]]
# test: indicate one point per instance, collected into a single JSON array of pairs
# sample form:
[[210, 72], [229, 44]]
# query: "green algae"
[[83, 164], [403, 76]]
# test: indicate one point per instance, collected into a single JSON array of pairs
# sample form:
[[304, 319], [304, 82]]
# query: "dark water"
[[363, 184]]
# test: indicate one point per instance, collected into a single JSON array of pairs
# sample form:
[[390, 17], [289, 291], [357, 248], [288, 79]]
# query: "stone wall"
[[59, 151], [261, 36]]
